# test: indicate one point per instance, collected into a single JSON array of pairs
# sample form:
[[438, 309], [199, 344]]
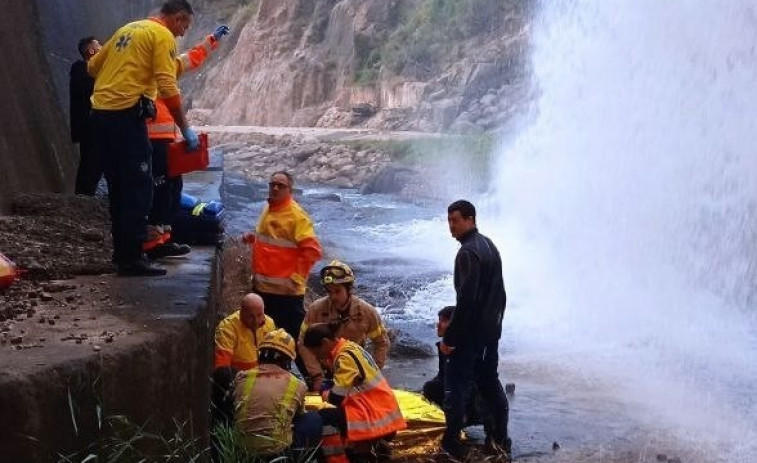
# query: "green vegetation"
[[472, 153], [428, 33]]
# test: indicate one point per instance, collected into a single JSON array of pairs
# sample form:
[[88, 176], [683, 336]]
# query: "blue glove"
[[191, 137], [220, 32]]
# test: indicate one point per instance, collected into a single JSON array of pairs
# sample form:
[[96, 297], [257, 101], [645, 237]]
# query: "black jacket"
[[480, 291], [80, 88]]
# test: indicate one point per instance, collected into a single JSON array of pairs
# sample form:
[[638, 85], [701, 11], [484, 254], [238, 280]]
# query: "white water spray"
[[627, 213]]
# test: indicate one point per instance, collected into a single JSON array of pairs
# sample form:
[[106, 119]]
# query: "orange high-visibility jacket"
[[370, 406], [285, 249], [163, 126]]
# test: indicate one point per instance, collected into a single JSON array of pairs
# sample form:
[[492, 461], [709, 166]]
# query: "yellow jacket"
[[237, 345], [361, 324], [139, 60], [284, 250]]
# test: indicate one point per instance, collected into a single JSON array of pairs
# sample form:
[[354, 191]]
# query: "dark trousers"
[[287, 312], [125, 152], [90, 169], [468, 367], [167, 191]]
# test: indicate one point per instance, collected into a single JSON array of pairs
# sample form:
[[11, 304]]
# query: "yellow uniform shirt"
[[139, 60], [237, 345]]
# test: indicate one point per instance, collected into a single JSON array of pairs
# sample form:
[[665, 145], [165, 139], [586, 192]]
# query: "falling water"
[[627, 211]]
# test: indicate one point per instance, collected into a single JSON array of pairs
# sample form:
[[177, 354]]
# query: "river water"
[[625, 214]]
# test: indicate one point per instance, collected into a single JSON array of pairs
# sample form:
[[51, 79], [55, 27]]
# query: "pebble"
[[51, 322], [46, 297], [96, 348], [16, 340]]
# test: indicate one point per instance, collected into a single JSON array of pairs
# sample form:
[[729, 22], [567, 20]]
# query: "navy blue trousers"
[[120, 139], [467, 366]]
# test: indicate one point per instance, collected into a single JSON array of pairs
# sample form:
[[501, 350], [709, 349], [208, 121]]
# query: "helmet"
[[337, 273], [280, 341]]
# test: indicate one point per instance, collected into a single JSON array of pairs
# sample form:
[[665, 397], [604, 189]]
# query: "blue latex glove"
[[221, 31], [191, 137]]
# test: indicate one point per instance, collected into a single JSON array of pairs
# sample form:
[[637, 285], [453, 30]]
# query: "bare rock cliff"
[[305, 62]]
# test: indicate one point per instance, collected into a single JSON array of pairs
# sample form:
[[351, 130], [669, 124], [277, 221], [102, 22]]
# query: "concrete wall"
[[39, 39], [157, 374]]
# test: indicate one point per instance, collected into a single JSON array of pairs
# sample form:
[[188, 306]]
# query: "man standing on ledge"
[[134, 67], [472, 336], [80, 88], [284, 249]]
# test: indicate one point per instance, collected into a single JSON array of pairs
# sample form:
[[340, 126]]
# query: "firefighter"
[[284, 249], [162, 131], [237, 342], [269, 401], [366, 410], [353, 318]]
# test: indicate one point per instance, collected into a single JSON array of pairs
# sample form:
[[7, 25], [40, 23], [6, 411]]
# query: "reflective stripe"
[[340, 390], [264, 279], [161, 127], [206, 46], [249, 382], [365, 425], [197, 210], [288, 398], [280, 242], [365, 387]]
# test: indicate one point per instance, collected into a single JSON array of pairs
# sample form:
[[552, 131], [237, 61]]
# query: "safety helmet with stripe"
[[281, 341], [337, 273]]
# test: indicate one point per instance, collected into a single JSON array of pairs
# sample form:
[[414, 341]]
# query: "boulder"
[[391, 179]]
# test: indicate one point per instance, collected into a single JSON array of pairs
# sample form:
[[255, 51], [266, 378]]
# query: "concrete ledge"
[[158, 373]]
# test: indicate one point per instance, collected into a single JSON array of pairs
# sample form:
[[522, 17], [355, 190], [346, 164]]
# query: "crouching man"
[[366, 410], [269, 401]]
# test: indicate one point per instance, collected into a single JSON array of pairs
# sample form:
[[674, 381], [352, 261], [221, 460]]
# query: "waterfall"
[[626, 212]]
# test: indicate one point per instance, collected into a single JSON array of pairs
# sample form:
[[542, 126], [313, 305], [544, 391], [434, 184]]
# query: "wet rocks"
[[338, 165]]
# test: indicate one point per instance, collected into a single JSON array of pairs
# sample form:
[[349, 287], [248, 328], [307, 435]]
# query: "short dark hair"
[[176, 6], [316, 333], [273, 356], [286, 174], [466, 208], [446, 313], [82, 45]]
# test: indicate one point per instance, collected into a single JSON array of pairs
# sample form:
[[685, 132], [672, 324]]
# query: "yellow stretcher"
[[425, 424]]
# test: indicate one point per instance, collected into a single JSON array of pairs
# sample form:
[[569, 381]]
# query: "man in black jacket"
[[80, 88], [472, 337]]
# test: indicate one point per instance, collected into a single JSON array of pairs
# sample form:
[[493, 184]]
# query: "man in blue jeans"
[[472, 337]]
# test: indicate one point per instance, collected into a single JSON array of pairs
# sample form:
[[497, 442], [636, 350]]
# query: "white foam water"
[[627, 212]]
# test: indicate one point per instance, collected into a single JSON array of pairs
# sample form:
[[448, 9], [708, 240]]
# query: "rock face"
[[310, 162], [295, 63], [290, 62]]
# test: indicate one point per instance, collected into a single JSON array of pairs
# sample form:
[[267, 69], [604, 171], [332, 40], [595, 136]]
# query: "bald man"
[[237, 339], [239, 334]]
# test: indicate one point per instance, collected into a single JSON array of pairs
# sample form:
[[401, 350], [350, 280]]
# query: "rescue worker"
[[239, 335], [269, 401], [162, 131], [471, 340], [353, 318], [80, 88], [133, 68], [284, 249], [237, 342], [366, 409]]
